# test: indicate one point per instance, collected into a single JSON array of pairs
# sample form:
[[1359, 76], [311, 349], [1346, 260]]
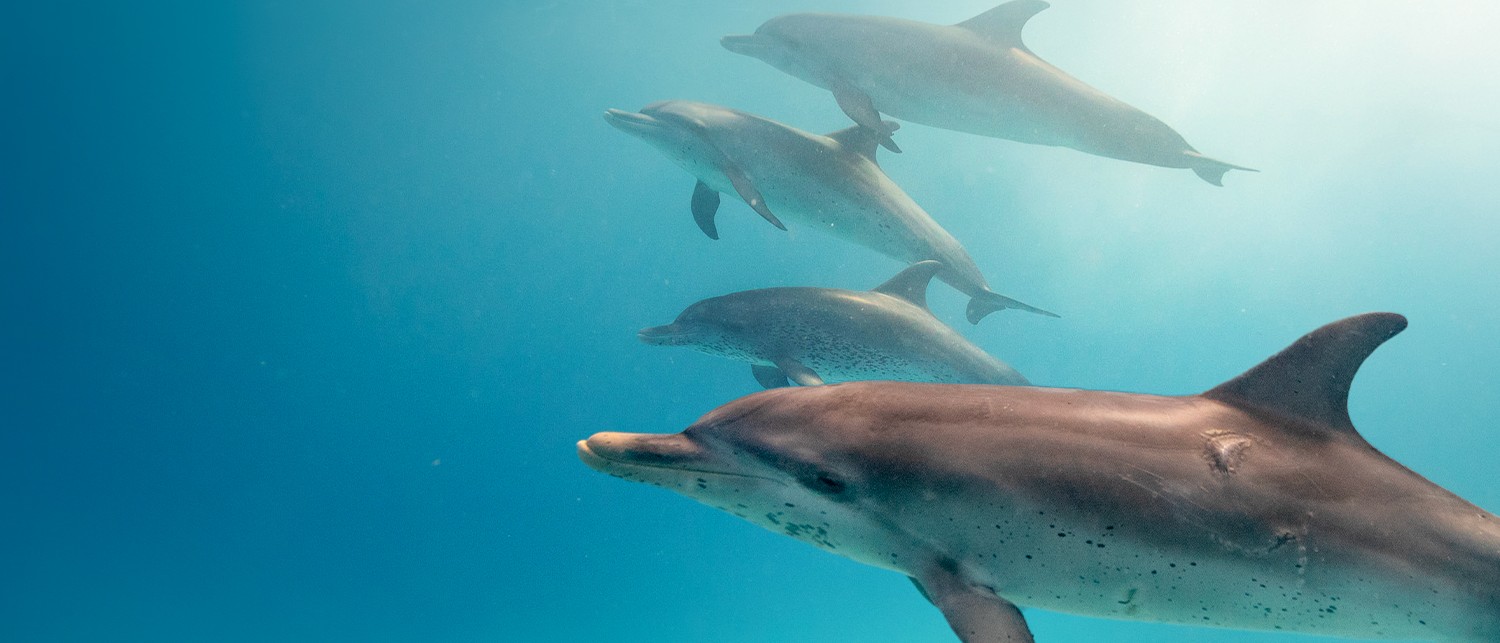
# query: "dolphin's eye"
[[827, 484]]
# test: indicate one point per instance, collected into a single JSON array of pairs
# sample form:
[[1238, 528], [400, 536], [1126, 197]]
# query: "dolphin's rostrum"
[[828, 335], [1255, 505], [976, 77], [829, 183]]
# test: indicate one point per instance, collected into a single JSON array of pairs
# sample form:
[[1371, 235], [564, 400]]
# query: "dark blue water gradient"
[[304, 304]]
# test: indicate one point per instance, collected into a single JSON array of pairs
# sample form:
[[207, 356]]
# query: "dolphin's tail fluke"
[[1212, 170], [989, 301]]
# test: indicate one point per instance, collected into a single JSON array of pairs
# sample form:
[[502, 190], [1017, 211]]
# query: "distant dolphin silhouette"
[[1255, 505], [976, 77], [828, 335], [830, 183]]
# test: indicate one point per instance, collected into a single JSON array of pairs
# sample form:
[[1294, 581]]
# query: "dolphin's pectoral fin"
[[750, 194], [1002, 25], [911, 284], [1212, 170], [798, 373], [705, 206], [864, 141], [976, 614], [1309, 380], [858, 106], [768, 376]]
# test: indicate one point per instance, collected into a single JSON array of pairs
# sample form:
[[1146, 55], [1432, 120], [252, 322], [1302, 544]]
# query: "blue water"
[[306, 303]]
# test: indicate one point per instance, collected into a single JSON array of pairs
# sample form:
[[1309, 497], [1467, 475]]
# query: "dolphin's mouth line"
[[583, 448], [663, 337], [632, 122], [747, 44]]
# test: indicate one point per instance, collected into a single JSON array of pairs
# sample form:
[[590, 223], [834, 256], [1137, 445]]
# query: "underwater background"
[[305, 304]]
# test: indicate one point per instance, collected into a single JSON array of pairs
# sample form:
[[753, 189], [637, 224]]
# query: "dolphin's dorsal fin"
[[1002, 25], [1310, 379], [858, 106], [864, 141], [911, 284]]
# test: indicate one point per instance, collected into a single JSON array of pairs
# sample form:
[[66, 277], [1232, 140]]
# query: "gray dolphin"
[[976, 77], [1255, 505], [829, 335], [830, 183]]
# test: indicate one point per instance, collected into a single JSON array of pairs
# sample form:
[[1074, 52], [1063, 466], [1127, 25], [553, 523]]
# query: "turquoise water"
[[307, 303]]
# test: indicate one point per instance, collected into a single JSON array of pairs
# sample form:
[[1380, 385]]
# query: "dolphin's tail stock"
[[1211, 170], [989, 301]]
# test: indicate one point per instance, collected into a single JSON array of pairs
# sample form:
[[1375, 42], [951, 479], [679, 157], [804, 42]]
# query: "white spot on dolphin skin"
[[1225, 450]]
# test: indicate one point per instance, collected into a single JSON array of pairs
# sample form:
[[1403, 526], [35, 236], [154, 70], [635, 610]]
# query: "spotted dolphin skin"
[[829, 183], [976, 77], [826, 335], [1255, 505]]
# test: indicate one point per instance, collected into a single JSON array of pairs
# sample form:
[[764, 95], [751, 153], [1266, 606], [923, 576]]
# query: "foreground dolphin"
[[1255, 505], [827, 335], [974, 77], [830, 183]]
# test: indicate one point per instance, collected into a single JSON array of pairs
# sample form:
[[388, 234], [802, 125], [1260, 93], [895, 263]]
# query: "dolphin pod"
[[825, 335], [975, 77], [830, 183], [1255, 505]]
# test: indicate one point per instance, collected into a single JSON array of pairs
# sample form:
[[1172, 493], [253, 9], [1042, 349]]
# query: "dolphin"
[[1255, 505], [976, 77], [830, 183], [827, 335]]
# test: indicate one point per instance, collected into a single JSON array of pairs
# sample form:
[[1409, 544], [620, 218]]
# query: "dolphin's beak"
[[631, 122], [669, 335], [622, 453], [751, 45]]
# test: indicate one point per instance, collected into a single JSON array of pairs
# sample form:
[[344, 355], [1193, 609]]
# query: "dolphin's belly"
[[811, 182], [711, 176], [853, 350], [837, 361], [858, 368], [1092, 568], [870, 211], [801, 200], [990, 114], [868, 365]]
